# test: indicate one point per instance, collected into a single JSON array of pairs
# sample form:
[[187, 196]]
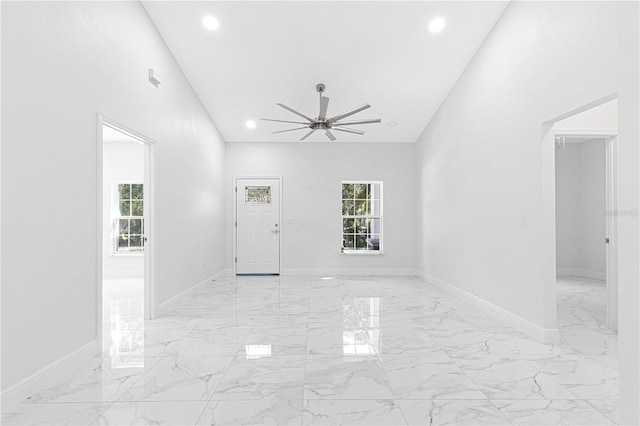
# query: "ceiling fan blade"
[[357, 132], [330, 135], [350, 112], [283, 121], [291, 130], [324, 104], [295, 112], [349, 123], [308, 134]]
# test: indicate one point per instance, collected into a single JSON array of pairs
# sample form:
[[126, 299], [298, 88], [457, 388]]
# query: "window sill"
[[362, 253], [139, 254]]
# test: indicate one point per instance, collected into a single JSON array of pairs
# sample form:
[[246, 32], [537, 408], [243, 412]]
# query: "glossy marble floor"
[[357, 350]]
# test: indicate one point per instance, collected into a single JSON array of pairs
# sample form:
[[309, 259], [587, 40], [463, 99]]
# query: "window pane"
[[347, 191], [136, 208], [348, 226], [135, 226], [348, 207], [375, 207], [360, 191], [361, 207], [257, 195], [135, 241], [123, 226], [125, 208], [361, 242], [374, 242], [124, 191], [374, 226], [136, 191], [362, 226], [123, 243], [348, 241]]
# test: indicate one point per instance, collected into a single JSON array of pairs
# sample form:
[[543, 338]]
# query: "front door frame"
[[234, 225]]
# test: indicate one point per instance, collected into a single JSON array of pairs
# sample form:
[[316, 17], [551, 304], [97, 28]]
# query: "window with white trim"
[[361, 217], [129, 218]]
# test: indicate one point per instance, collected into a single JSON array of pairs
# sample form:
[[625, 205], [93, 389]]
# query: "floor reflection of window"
[[257, 351], [361, 329], [127, 334]]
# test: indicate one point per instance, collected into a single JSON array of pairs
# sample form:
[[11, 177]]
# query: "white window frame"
[[379, 216], [116, 215]]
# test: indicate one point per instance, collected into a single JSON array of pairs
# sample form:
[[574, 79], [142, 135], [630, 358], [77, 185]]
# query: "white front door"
[[258, 226]]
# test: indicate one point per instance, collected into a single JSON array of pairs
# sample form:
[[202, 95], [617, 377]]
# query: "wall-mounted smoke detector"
[[154, 78]]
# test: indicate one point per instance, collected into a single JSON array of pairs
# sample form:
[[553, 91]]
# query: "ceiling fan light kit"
[[321, 122]]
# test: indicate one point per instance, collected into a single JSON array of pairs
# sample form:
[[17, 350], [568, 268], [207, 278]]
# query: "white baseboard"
[[47, 376], [544, 335], [123, 273], [351, 272], [166, 306], [584, 273]]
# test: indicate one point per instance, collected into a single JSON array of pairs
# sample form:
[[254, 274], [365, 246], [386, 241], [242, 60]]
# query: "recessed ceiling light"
[[210, 23], [392, 124], [436, 25], [250, 124]]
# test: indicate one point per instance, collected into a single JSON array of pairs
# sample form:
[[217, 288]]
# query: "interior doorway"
[[126, 219], [257, 226], [584, 187]]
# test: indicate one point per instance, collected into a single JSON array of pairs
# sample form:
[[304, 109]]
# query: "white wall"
[[479, 160], [628, 210], [122, 162], [580, 208], [601, 117], [64, 62], [312, 173]]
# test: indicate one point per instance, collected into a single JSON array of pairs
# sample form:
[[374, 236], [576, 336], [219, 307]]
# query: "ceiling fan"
[[321, 122]]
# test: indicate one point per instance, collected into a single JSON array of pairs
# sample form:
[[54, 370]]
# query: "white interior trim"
[[167, 305], [543, 335], [48, 376], [351, 271], [584, 273]]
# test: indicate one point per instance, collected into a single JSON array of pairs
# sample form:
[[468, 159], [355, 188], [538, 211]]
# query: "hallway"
[[340, 350]]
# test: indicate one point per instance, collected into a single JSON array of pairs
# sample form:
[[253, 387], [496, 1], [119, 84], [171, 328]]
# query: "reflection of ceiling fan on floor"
[[321, 122]]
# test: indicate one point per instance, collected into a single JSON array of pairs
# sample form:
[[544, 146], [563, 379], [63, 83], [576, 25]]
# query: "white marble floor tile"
[[509, 377], [552, 412], [183, 378], [438, 412], [277, 341], [467, 341], [263, 377], [347, 350], [251, 412], [608, 407], [392, 340], [428, 376], [170, 413], [345, 377], [217, 341], [99, 380], [53, 414], [586, 377], [352, 412]]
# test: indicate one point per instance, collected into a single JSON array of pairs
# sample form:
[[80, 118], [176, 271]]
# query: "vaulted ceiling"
[[380, 53]]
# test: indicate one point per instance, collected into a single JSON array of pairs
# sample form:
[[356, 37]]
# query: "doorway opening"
[[125, 278], [583, 149]]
